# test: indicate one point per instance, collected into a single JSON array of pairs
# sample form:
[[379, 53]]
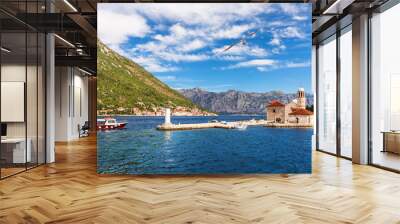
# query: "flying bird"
[[241, 42], [252, 34]]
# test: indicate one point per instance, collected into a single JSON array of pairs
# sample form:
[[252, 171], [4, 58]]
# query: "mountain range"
[[238, 102]]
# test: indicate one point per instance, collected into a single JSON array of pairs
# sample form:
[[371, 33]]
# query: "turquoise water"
[[141, 149]]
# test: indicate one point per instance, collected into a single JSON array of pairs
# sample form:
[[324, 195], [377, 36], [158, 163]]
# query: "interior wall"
[[71, 102], [15, 73], [81, 113], [61, 103]]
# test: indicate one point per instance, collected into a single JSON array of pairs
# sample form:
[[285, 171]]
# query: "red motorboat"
[[109, 123]]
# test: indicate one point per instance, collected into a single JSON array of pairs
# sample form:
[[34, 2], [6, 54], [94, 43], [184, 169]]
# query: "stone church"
[[293, 112]]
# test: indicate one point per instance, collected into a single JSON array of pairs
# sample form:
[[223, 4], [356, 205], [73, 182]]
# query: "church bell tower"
[[301, 98]]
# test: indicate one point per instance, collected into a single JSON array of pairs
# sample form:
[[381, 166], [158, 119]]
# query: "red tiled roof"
[[276, 103], [300, 111]]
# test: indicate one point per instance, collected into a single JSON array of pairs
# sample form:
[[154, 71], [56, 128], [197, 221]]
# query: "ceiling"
[[332, 15]]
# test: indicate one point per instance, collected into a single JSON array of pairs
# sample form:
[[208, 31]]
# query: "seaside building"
[[293, 112]]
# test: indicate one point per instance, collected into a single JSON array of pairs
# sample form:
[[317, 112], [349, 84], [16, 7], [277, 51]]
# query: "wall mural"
[[204, 88]]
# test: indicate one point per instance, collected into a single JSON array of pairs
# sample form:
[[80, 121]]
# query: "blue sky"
[[185, 45]]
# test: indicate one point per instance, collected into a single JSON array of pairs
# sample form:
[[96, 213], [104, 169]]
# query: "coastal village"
[[158, 111]]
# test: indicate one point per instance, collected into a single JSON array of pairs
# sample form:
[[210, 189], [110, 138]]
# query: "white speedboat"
[[109, 123]]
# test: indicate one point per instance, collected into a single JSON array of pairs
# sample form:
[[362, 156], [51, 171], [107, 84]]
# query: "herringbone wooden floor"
[[70, 191]]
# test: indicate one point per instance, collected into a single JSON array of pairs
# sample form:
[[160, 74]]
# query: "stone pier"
[[226, 125]]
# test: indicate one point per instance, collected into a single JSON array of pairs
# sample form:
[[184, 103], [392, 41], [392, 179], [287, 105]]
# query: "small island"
[[293, 114]]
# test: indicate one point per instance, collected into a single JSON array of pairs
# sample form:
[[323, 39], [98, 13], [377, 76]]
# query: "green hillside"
[[122, 85]]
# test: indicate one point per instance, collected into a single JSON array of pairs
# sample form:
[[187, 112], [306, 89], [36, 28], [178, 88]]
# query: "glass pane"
[[327, 96], [346, 93], [31, 98], [23, 89], [13, 86], [386, 89], [41, 98]]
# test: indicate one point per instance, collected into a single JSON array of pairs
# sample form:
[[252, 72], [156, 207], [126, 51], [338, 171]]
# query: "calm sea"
[[141, 149]]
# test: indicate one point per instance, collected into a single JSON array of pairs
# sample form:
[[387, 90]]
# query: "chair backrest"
[[86, 125]]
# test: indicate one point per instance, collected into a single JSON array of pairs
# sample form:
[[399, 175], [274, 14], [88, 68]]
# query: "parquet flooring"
[[70, 191]]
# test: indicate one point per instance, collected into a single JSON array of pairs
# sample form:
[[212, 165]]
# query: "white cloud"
[[192, 45], [256, 62], [289, 29], [167, 78], [300, 18], [289, 8], [264, 65], [178, 57], [278, 49], [153, 65], [279, 35], [262, 69], [277, 23], [115, 28], [241, 50], [232, 32], [229, 57], [279, 65], [162, 52], [277, 44], [292, 32], [199, 14], [177, 32], [180, 39], [275, 41], [295, 9], [298, 64], [150, 46], [253, 63]]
